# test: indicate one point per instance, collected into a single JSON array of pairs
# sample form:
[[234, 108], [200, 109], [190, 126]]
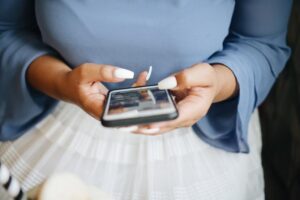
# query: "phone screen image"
[[139, 102]]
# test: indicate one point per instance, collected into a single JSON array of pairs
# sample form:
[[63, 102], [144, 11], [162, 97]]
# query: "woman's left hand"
[[195, 89]]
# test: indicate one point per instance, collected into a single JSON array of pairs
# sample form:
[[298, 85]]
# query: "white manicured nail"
[[124, 73], [167, 83], [149, 73], [128, 129], [150, 131]]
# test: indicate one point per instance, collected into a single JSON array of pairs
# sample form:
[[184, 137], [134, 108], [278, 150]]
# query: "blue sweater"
[[248, 36]]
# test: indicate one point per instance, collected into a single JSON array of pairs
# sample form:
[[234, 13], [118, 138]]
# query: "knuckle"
[[101, 70], [83, 70], [84, 66], [185, 74], [184, 77], [105, 70]]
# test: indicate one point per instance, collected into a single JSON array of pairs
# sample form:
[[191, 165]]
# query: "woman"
[[59, 50]]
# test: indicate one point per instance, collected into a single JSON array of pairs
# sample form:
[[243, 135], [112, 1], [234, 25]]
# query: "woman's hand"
[[81, 86], [195, 89]]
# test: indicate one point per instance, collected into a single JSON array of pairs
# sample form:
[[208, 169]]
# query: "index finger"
[[196, 75], [104, 73]]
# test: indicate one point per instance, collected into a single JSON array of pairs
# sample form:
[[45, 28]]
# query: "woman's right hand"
[[81, 86]]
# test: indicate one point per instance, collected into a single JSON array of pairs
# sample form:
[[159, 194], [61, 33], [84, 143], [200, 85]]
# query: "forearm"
[[45, 74], [227, 86]]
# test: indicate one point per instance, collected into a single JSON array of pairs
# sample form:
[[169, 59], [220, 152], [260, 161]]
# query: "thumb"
[[187, 78], [103, 73]]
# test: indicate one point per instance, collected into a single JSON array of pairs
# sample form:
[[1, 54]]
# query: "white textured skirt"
[[176, 165]]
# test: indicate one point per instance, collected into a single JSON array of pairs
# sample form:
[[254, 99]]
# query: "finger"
[[145, 129], [141, 80], [148, 131], [128, 129], [101, 88], [196, 75], [162, 131], [153, 131], [103, 73]]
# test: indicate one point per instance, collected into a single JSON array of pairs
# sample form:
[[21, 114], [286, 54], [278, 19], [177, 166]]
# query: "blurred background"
[[280, 120]]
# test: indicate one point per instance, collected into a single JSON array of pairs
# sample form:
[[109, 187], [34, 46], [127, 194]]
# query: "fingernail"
[[128, 129], [150, 131], [167, 83], [123, 73], [149, 73]]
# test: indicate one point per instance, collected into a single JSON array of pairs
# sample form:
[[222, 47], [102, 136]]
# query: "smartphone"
[[139, 105]]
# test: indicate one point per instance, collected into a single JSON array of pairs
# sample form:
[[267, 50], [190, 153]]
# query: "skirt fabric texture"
[[174, 166]]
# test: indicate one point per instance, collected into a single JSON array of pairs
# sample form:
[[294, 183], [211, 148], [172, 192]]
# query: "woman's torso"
[[169, 34]]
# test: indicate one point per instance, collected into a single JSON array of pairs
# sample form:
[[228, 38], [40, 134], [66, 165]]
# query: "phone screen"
[[138, 102]]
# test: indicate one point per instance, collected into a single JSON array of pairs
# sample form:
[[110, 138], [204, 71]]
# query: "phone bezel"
[[140, 119]]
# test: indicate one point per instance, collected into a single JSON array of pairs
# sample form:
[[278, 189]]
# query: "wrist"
[[217, 83], [61, 85], [46, 74], [226, 83]]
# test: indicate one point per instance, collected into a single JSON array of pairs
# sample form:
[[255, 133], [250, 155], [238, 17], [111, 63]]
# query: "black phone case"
[[139, 120]]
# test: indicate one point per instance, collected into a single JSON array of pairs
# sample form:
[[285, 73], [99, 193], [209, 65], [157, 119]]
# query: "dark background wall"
[[280, 120]]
